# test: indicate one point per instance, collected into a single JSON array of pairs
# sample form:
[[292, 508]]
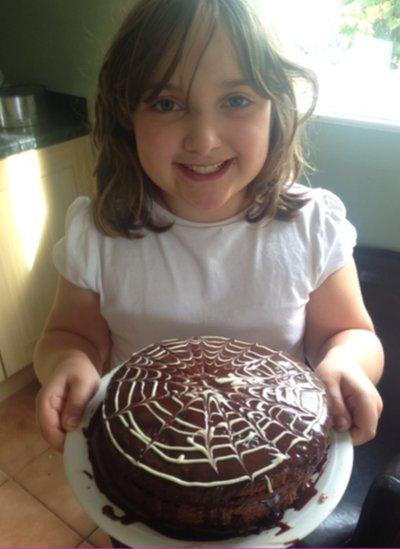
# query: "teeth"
[[205, 169]]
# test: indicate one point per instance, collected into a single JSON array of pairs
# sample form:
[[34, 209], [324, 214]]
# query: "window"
[[354, 48]]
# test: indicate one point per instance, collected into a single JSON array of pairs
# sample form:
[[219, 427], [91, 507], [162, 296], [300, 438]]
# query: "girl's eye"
[[238, 101], [165, 105]]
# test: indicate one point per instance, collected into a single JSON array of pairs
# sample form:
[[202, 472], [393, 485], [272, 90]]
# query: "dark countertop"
[[67, 120]]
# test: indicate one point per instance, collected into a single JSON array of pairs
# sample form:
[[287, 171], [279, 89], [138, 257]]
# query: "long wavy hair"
[[124, 194]]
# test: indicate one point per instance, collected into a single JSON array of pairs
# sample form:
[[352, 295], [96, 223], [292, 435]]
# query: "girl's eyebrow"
[[234, 83], [223, 84], [168, 87], [226, 84], [151, 91]]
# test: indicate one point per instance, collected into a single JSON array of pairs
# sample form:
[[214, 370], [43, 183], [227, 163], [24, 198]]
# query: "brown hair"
[[124, 192]]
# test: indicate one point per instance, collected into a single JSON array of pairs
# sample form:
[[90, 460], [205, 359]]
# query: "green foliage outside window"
[[376, 18]]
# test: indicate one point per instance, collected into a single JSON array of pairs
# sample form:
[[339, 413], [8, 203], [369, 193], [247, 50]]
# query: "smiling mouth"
[[206, 170]]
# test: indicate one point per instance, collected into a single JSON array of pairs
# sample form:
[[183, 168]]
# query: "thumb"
[[78, 396], [340, 415]]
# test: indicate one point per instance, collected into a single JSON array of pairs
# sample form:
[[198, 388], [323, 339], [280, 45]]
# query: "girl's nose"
[[202, 135]]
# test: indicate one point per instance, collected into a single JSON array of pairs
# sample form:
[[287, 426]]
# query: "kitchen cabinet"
[[36, 188]]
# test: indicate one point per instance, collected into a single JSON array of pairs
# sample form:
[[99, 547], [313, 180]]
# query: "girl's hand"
[[355, 404], [62, 400]]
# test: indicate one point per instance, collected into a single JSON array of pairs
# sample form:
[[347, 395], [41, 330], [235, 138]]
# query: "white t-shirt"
[[231, 278]]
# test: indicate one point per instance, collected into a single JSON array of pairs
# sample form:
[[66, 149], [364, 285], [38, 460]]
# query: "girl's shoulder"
[[76, 255], [79, 218], [323, 207], [79, 211], [323, 232], [319, 200]]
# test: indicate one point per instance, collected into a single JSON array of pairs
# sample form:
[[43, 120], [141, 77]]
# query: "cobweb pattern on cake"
[[211, 408]]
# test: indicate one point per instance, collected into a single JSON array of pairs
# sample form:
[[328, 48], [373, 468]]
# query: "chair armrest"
[[379, 522]]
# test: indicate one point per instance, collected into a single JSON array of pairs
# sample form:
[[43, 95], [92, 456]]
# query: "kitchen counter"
[[67, 119]]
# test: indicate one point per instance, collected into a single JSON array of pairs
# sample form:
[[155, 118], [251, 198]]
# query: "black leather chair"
[[369, 513]]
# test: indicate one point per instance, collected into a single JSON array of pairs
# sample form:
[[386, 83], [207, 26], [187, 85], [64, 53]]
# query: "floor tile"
[[20, 438], [3, 477], [99, 538], [25, 522], [45, 479]]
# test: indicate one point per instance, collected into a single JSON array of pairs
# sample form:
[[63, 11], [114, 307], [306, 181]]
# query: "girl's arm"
[[341, 344], [68, 359]]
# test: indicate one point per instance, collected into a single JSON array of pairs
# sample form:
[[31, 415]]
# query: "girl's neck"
[[199, 215]]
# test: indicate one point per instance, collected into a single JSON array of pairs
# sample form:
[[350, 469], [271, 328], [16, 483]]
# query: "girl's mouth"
[[206, 173]]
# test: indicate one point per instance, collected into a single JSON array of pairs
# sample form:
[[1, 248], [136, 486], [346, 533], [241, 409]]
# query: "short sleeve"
[[76, 255], [335, 237]]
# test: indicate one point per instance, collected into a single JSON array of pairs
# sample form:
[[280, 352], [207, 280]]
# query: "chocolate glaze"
[[88, 474], [304, 496], [183, 532], [283, 527], [109, 512], [215, 434]]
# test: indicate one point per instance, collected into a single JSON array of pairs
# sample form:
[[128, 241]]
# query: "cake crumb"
[[322, 498]]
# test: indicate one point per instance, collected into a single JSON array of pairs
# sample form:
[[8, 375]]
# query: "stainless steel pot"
[[22, 106]]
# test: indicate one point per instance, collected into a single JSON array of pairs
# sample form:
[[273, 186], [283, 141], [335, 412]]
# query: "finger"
[[340, 415], [78, 396], [365, 418], [48, 412]]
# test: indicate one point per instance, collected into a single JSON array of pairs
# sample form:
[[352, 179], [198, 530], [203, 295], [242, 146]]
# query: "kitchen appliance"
[[22, 106]]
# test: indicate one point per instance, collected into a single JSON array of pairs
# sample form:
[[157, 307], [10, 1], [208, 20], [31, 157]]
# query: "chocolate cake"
[[208, 437]]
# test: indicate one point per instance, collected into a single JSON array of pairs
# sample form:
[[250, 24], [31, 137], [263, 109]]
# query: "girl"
[[199, 226]]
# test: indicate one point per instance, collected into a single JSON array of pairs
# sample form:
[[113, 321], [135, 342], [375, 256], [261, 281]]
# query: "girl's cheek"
[[249, 136], [156, 138]]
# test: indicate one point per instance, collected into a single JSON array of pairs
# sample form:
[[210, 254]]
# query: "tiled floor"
[[37, 506]]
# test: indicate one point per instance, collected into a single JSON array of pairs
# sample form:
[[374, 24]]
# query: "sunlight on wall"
[[27, 201]]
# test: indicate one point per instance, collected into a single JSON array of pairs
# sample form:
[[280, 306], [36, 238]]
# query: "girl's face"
[[202, 153]]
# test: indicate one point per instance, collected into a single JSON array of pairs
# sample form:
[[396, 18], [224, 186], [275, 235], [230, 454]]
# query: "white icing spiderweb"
[[229, 409]]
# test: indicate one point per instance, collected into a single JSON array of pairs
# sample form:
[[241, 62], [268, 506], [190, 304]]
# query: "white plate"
[[331, 486]]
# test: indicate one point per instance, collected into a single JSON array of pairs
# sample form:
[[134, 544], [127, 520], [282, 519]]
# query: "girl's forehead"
[[214, 56]]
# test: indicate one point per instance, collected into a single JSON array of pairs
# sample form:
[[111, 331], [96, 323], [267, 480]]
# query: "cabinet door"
[[36, 189]]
